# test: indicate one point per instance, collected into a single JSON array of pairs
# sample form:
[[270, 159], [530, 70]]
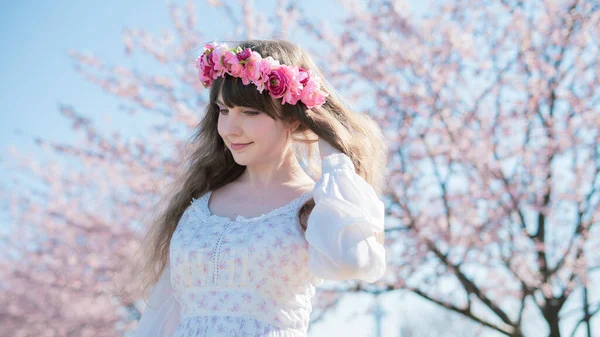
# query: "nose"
[[230, 125]]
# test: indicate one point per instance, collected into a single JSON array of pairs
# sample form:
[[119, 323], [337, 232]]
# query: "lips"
[[239, 146]]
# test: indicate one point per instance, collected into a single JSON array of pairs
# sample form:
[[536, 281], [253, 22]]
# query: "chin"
[[241, 163], [241, 160]]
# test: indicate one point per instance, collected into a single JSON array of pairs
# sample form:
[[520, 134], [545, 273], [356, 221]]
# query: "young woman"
[[253, 227]]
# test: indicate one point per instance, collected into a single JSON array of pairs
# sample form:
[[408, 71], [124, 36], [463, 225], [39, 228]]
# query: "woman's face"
[[264, 136]]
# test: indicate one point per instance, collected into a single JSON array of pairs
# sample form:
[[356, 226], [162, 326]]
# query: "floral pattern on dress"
[[242, 277]]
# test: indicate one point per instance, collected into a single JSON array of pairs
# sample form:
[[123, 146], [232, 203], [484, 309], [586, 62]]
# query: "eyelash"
[[248, 112]]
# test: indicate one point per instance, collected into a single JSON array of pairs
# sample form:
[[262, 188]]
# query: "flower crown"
[[290, 83]]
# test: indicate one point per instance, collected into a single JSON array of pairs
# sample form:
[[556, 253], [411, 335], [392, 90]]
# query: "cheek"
[[263, 130]]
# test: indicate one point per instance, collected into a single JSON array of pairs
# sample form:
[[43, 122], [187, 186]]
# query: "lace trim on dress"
[[200, 207]]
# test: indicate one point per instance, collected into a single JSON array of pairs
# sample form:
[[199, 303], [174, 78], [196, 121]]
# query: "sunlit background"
[[491, 111]]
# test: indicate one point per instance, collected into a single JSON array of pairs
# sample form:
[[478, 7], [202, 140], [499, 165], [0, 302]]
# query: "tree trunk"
[[551, 316]]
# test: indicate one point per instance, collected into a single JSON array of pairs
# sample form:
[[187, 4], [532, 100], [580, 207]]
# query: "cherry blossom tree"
[[492, 108], [492, 114]]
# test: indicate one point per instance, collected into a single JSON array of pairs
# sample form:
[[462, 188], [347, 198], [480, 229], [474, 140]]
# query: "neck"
[[285, 170]]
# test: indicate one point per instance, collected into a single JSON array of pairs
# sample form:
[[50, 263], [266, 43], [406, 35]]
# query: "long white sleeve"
[[163, 313], [341, 226]]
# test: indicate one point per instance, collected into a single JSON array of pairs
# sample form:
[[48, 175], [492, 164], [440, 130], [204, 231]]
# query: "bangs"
[[235, 93]]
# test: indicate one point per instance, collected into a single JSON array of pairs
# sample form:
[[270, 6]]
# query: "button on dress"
[[256, 276]]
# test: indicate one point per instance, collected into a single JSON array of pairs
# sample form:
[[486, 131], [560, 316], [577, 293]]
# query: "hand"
[[325, 148]]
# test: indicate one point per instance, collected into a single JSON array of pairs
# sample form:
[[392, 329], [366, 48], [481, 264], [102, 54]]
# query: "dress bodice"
[[252, 267]]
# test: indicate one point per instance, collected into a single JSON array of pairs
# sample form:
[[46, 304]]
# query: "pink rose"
[[233, 64], [208, 49], [207, 77], [251, 72], [244, 54], [205, 71], [277, 83], [312, 96], [294, 89], [266, 66], [217, 60], [304, 76]]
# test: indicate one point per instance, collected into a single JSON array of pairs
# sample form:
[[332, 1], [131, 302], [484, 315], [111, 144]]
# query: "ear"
[[294, 125]]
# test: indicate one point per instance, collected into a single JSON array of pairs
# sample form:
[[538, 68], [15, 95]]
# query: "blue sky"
[[37, 72]]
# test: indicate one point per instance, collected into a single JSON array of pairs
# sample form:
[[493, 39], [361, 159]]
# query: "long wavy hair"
[[207, 166]]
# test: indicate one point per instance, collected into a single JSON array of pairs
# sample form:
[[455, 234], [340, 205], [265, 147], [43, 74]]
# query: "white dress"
[[256, 276]]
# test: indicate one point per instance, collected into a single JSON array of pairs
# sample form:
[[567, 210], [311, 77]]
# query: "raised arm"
[[345, 224]]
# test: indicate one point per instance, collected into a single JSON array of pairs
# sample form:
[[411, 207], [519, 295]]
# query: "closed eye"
[[247, 112]]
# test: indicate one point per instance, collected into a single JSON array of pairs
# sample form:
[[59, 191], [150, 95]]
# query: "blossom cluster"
[[290, 83]]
